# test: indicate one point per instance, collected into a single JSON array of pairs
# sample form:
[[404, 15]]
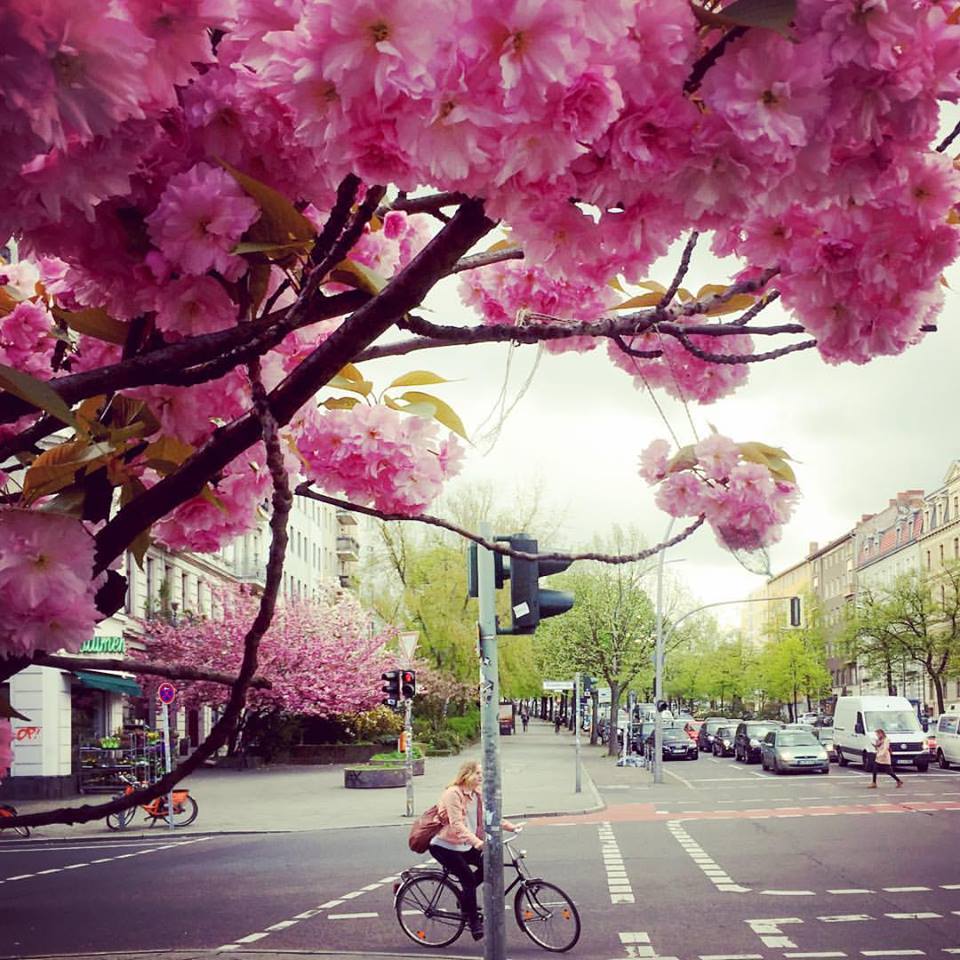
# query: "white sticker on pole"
[[521, 609], [166, 693]]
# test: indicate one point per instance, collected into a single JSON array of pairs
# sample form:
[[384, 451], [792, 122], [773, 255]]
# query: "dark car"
[[723, 741], [708, 731], [793, 749], [749, 736], [677, 744]]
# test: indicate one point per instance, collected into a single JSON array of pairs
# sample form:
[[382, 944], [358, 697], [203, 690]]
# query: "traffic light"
[[529, 604], [391, 688], [408, 684], [794, 611]]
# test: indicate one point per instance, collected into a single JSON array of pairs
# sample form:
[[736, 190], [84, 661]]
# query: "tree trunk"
[[891, 690], [594, 716], [938, 690], [612, 743]]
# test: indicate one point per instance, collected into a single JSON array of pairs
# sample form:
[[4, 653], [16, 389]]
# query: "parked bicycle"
[[185, 808], [6, 812], [428, 906]]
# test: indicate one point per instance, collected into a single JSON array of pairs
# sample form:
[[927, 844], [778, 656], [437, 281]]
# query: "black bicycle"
[[6, 813], [428, 906]]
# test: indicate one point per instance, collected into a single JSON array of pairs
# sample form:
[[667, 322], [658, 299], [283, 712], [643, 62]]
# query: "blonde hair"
[[467, 769]]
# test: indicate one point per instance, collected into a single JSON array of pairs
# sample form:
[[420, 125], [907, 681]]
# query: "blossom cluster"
[[745, 502], [47, 583], [375, 455]]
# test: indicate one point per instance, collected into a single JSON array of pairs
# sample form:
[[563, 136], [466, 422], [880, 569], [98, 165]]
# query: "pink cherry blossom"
[[195, 305], [373, 454], [26, 339], [46, 578], [201, 216], [654, 460]]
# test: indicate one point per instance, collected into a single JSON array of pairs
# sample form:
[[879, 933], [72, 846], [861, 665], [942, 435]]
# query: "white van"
[[948, 739], [856, 719]]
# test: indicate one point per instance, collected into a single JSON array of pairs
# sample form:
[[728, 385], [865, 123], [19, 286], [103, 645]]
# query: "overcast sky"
[[858, 434]]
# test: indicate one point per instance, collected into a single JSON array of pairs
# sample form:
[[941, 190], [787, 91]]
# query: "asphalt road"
[[722, 862]]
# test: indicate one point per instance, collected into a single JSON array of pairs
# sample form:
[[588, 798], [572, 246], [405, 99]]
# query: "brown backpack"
[[425, 828]]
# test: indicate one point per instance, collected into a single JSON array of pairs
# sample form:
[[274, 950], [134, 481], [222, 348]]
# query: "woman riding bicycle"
[[459, 844]]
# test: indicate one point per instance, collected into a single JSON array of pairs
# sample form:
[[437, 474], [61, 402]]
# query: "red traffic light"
[[408, 684]]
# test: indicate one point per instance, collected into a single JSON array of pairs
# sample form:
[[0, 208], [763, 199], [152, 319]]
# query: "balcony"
[[346, 518], [348, 548]]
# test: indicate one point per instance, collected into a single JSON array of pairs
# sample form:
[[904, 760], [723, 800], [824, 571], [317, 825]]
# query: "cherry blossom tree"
[[226, 210], [318, 658]]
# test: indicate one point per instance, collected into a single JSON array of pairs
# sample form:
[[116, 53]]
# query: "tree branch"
[[175, 671], [401, 294], [705, 62], [485, 259], [682, 269], [305, 490], [733, 358]]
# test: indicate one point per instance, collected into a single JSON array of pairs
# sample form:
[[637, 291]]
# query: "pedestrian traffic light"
[[408, 684], [529, 604], [391, 688], [794, 611]]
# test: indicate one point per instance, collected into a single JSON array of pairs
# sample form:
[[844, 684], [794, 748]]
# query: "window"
[[928, 559], [941, 554], [151, 587]]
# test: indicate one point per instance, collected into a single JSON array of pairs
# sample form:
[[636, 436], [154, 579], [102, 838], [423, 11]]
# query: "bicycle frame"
[[156, 808]]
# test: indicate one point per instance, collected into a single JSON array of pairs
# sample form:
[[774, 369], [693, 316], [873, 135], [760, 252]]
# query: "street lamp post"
[[658, 667]]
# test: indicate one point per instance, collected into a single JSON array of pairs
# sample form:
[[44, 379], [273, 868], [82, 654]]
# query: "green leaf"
[[341, 403], [281, 224], [340, 382], [266, 246], [58, 467], [35, 392], [359, 276], [644, 300], [167, 454], [775, 15], [94, 323], [683, 459], [417, 378], [442, 412], [351, 373]]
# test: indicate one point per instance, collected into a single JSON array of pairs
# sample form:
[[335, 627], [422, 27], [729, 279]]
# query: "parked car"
[[792, 749], [948, 740], [825, 736], [810, 718], [856, 719], [677, 744], [722, 745], [747, 739], [708, 730]]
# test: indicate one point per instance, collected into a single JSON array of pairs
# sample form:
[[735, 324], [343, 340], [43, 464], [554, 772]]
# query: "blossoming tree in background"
[[227, 210], [320, 657]]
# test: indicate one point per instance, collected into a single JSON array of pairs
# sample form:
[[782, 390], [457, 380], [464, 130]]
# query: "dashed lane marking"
[[99, 860], [914, 916], [618, 885]]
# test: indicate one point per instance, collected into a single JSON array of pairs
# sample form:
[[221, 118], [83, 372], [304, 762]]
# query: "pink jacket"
[[453, 808]]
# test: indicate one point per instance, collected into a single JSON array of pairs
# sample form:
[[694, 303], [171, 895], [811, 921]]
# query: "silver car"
[[784, 750]]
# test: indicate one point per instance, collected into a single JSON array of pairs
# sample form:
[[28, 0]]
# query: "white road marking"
[[914, 916], [824, 953], [906, 889], [635, 937], [350, 916], [846, 918], [893, 953], [731, 956], [712, 870], [283, 924], [328, 905], [789, 893], [851, 890], [618, 886], [253, 937]]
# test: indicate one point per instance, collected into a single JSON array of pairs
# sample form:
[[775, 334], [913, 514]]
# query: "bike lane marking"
[[99, 860], [618, 883], [711, 870]]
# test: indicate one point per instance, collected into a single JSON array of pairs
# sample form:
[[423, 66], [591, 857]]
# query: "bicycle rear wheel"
[[428, 910], [184, 812], [547, 916], [6, 811], [119, 821]]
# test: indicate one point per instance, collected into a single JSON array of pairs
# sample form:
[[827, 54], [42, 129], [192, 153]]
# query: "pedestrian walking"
[[459, 844], [557, 723], [524, 719], [882, 761]]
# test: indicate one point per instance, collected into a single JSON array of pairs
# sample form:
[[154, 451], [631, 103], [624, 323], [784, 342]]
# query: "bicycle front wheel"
[[428, 910], [119, 821], [184, 812], [547, 916]]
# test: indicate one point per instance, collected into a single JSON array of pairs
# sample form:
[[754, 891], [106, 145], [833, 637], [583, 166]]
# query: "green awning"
[[109, 682]]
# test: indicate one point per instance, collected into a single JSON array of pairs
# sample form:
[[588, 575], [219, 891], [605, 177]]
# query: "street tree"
[[320, 657], [224, 212], [916, 617], [609, 632]]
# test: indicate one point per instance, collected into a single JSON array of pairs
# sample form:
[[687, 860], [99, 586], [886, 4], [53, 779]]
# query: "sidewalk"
[[537, 769]]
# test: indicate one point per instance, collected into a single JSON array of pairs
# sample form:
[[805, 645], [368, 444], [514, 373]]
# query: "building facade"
[[72, 713]]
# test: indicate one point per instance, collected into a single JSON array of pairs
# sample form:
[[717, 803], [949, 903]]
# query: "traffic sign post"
[[167, 693]]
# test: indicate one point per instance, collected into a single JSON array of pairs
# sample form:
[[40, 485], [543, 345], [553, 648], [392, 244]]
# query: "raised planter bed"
[[324, 753], [373, 777], [418, 765]]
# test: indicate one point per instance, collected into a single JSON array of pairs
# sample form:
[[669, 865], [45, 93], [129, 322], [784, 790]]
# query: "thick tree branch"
[[305, 490], [485, 259], [705, 62], [433, 203], [175, 671], [948, 139], [402, 294]]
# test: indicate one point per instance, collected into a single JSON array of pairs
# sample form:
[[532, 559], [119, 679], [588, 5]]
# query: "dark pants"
[[884, 768], [459, 863]]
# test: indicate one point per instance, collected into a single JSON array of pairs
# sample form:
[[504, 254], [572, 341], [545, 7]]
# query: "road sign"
[[167, 692], [408, 644], [556, 685]]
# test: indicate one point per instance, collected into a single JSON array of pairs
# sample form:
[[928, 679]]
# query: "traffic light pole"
[[495, 938], [577, 693], [408, 761]]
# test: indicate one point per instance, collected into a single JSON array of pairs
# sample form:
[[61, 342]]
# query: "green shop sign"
[[104, 645]]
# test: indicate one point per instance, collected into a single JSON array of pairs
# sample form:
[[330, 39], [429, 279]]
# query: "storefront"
[[70, 713]]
